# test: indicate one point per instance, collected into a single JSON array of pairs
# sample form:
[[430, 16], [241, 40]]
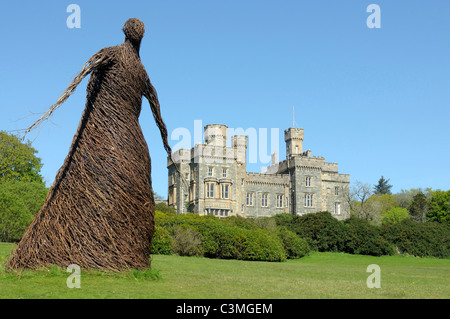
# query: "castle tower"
[[294, 141], [216, 134], [239, 144]]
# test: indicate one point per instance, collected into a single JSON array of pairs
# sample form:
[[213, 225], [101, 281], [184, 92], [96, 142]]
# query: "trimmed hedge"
[[220, 239], [419, 239], [285, 236], [357, 236]]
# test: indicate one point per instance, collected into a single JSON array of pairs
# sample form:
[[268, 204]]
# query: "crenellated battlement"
[[330, 167], [216, 134]]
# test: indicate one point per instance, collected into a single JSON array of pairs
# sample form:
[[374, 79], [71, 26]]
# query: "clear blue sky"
[[377, 101]]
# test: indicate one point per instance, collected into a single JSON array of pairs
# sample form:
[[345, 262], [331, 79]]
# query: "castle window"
[[218, 212], [225, 190], [224, 172], [279, 201], [336, 191], [210, 171], [308, 181], [309, 200], [337, 208], [171, 201], [249, 199], [264, 197], [210, 190]]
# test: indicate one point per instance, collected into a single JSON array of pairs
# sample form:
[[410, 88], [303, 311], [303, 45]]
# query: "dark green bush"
[[365, 239], [293, 236], [322, 231], [294, 246], [419, 239]]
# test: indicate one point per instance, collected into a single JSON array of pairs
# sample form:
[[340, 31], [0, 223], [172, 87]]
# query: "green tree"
[[395, 215], [439, 207], [419, 207], [376, 206], [19, 202], [18, 161], [383, 187]]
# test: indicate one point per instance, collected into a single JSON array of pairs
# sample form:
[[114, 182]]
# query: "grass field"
[[320, 275]]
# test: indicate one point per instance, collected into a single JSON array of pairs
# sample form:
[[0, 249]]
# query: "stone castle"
[[214, 180]]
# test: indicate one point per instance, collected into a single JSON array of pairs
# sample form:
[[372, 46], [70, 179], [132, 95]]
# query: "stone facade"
[[214, 180]]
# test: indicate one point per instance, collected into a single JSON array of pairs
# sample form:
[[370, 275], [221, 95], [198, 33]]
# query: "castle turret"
[[216, 135], [239, 144], [294, 141]]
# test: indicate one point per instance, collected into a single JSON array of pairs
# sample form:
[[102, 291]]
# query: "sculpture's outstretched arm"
[[152, 97], [98, 59]]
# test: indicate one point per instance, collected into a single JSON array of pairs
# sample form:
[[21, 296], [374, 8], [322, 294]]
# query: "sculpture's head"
[[134, 30]]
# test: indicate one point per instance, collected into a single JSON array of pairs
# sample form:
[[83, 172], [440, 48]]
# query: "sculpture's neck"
[[135, 45]]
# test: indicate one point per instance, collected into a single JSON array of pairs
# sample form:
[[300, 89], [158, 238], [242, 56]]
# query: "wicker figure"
[[99, 212]]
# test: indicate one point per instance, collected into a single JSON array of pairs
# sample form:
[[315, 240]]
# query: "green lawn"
[[320, 275]]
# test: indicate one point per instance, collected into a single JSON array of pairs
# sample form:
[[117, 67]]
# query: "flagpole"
[[293, 116]]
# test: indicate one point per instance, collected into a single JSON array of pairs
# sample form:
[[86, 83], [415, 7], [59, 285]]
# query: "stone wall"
[[303, 183]]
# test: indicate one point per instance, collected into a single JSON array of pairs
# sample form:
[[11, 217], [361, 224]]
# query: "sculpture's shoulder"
[[108, 53]]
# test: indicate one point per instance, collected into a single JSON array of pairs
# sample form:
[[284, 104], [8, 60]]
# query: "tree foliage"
[[395, 215], [18, 161], [383, 187], [19, 202], [418, 207], [439, 207]]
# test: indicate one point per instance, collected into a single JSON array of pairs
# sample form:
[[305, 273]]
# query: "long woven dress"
[[99, 212]]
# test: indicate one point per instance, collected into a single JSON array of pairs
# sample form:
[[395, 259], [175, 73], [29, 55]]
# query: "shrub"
[[419, 239], [186, 241], [162, 207], [294, 246], [322, 231], [365, 239], [161, 242], [263, 246], [225, 239]]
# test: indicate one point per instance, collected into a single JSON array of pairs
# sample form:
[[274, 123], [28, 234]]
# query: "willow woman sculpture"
[[99, 212]]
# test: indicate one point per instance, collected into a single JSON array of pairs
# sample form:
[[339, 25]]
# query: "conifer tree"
[[383, 187]]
